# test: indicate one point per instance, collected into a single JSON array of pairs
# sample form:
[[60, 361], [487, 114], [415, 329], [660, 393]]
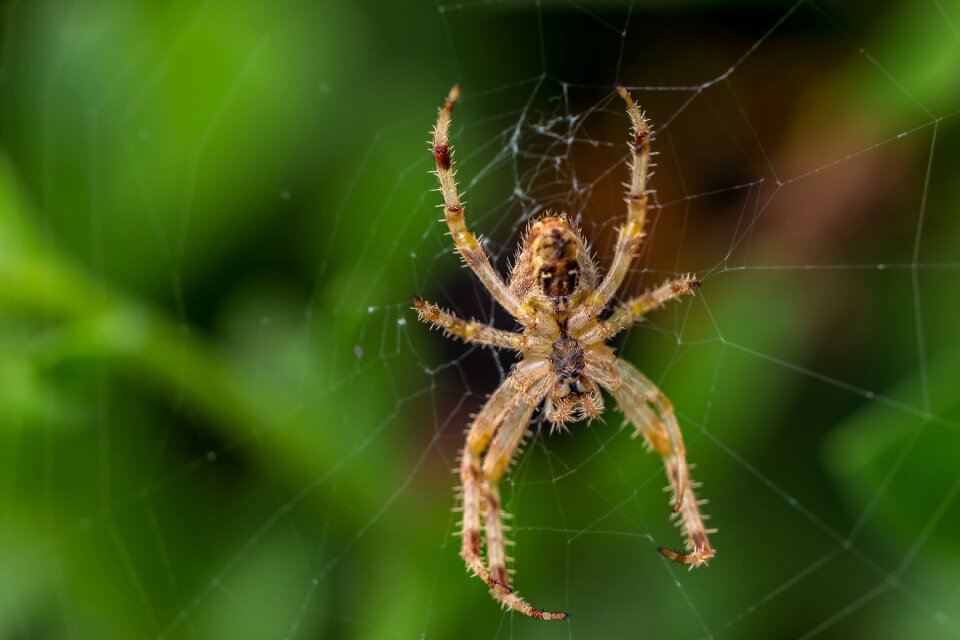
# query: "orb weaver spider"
[[556, 294]]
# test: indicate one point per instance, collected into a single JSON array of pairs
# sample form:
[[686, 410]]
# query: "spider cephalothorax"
[[555, 294]]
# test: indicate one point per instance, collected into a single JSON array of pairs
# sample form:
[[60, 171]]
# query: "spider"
[[555, 292]]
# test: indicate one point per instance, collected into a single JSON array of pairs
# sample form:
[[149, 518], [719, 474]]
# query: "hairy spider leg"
[[467, 244], [632, 310], [485, 424], [501, 424], [502, 450], [478, 332], [651, 413], [631, 233]]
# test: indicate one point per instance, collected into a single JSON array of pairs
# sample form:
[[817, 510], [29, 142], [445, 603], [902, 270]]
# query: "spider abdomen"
[[554, 264]]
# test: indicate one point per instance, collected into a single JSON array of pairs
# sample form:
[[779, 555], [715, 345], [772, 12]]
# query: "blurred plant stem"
[[93, 321]]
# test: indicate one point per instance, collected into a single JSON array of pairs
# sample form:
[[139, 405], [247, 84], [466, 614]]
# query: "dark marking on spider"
[[559, 270], [643, 137], [500, 577], [474, 541], [567, 357], [441, 153]]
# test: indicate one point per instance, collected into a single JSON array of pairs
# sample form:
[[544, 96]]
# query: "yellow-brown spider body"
[[554, 272], [553, 265], [555, 293]]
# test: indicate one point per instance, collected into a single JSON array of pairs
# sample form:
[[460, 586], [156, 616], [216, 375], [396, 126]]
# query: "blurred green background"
[[220, 419]]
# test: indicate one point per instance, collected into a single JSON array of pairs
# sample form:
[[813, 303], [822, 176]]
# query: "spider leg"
[[528, 377], [631, 233], [652, 414], [502, 450], [506, 414], [635, 308], [506, 396], [478, 332], [467, 244]]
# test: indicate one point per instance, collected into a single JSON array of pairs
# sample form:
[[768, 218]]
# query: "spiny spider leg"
[[635, 308], [645, 395], [481, 431], [651, 413], [478, 332], [467, 244], [501, 424], [505, 446], [631, 233]]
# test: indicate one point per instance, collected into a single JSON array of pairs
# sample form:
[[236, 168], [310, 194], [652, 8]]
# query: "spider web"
[[820, 223]]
